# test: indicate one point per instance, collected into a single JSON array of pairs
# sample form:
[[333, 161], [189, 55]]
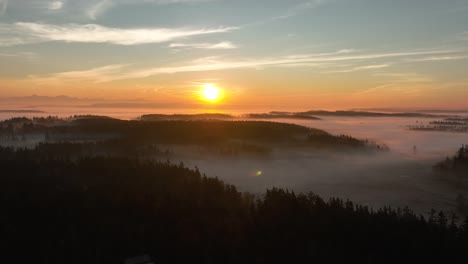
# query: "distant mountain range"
[[22, 111], [31, 104], [366, 114], [412, 110]]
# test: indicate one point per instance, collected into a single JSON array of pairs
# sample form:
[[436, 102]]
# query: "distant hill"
[[22, 111], [458, 124], [203, 129], [412, 110], [208, 116], [365, 114], [281, 115], [312, 114]]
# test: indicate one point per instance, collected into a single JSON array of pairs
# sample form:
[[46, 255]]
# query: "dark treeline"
[[324, 139], [275, 115], [74, 150], [21, 111], [452, 124], [163, 117], [195, 132], [366, 114], [107, 209], [455, 170], [200, 132], [457, 164]]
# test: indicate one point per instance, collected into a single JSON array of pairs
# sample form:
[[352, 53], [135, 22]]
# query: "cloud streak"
[[361, 68], [23, 33], [56, 5], [101, 7], [214, 64], [220, 45], [26, 55], [3, 7], [438, 58], [293, 11], [111, 73], [302, 8], [98, 74]]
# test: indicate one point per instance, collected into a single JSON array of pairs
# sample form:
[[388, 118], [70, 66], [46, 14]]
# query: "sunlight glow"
[[211, 93]]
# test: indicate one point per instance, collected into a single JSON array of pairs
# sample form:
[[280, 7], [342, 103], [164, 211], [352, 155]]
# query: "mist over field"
[[401, 177]]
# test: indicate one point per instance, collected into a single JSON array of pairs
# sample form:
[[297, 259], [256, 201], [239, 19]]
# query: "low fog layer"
[[385, 179], [400, 177], [394, 132]]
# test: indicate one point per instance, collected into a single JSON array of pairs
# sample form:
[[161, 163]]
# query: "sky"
[[308, 54]]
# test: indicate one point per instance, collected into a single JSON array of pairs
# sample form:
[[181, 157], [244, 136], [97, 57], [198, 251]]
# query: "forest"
[[102, 209], [203, 130], [451, 124], [93, 189], [455, 171], [458, 164]]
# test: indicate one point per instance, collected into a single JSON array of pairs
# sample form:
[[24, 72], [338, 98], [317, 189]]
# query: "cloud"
[[79, 9], [361, 68], [23, 33], [302, 8], [438, 58], [214, 64], [56, 5], [412, 87], [293, 11], [110, 73], [99, 8], [95, 10], [3, 7], [98, 74], [220, 45], [407, 77], [166, 2], [26, 55]]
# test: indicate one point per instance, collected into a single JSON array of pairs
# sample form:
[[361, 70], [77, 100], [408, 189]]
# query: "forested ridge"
[[457, 164], [206, 132], [106, 209]]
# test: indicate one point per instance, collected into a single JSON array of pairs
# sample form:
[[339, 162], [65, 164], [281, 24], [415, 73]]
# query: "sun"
[[211, 93]]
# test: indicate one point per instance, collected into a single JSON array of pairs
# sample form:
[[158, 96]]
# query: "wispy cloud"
[[438, 58], [98, 74], [411, 88], [395, 88], [99, 8], [83, 10], [220, 45], [3, 7], [109, 73], [215, 64], [22, 33], [55, 5], [293, 11], [406, 77], [361, 68], [26, 55], [302, 8], [95, 10]]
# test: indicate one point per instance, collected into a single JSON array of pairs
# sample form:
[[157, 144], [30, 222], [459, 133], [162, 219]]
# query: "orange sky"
[[285, 54]]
